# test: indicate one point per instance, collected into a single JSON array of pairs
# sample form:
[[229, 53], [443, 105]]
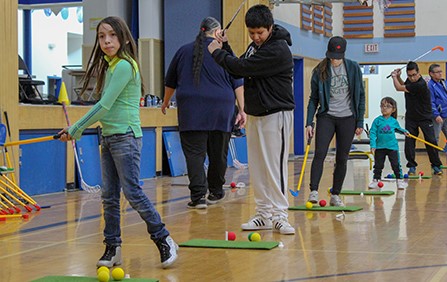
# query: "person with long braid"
[[205, 96]]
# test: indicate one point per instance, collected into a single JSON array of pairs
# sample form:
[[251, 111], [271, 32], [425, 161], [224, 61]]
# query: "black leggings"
[[379, 162], [344, 129]]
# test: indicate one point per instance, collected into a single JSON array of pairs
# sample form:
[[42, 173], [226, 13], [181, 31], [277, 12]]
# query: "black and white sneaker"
[[168, 251], [258, 222], [199, 204], [111, 256], [214, 199]]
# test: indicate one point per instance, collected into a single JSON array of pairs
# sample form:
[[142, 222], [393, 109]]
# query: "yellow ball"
[[309, 205], [118, 274], [103, 276], [102, 268], [255, 237]]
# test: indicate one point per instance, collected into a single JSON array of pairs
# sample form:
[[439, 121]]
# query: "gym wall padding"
[[182, 22], [43, 164]]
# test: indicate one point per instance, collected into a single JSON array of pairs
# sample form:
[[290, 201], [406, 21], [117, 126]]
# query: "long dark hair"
[[322, 69], [392, 102], [97, 65], [207, 26]]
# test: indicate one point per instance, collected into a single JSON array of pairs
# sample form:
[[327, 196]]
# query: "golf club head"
[[294, 193]]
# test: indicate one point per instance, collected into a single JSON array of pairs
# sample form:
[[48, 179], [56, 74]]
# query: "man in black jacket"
[[267, 69], [418, 115]]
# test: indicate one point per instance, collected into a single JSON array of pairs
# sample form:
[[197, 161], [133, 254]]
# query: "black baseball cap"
[[336, 48]]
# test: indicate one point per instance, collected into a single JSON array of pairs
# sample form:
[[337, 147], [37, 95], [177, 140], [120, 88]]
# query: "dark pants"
[[427, 129], [196, 145], [379, 161], [344, 130]]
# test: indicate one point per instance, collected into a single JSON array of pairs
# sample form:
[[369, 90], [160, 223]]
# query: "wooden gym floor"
[[399, 237]]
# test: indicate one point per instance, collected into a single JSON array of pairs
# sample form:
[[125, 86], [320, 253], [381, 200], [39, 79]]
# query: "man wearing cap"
[[338, 100]]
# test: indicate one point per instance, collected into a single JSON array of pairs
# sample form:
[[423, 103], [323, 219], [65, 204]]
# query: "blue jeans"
[[120, 163]]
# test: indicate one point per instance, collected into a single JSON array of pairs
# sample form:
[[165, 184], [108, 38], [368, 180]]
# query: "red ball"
[[25, 216], [421, 173], [380, 184], [232, 184], [231, 236], [322, 203]]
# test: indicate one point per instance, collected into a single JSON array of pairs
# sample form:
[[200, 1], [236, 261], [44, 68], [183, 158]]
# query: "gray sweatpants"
[[268, 142]]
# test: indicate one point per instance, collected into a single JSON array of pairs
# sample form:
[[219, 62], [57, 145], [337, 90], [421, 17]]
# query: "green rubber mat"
[[86, 279], [444, 166], [412, 177], [369, 192], [326, 208], [206, 243]]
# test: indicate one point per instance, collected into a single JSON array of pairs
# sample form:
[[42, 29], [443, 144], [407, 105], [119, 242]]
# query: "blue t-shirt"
[[208, 106], [382, 134]]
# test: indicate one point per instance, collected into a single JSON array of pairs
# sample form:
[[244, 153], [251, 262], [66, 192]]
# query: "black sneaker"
[[199, 204], [111, 256], [214, 199], [168, 251]]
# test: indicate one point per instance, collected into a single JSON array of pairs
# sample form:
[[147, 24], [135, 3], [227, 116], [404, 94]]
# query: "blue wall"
[[182, 22], [391, 50]]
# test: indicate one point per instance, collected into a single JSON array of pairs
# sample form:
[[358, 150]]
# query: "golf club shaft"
[[423, 55], [33, 140], [235, 15]]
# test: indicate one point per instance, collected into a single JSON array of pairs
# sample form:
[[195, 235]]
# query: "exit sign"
[[372, 48]]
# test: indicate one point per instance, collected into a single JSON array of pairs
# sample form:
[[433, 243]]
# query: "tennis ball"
[[322, 203], [249, 236], [255, 237], [309, 205], [118, 274], [103, 276], [231, 236], [102, 268]]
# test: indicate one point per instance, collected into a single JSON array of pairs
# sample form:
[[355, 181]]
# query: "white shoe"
[[401, 184], [313, 197], [282, 225], [258, 222], [374, 184], [336, 201]]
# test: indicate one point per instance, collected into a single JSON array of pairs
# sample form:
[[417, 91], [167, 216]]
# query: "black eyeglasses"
[[413, 75], [440, 71], [386, 106]]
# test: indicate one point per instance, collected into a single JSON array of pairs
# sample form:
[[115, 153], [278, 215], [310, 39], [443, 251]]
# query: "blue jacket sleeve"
[[373, 135]]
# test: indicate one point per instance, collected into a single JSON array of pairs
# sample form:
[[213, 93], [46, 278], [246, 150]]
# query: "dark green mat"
[[206, 243], [443, 166], [412, 177], [326, 208], [86, 279], [369, 192]]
